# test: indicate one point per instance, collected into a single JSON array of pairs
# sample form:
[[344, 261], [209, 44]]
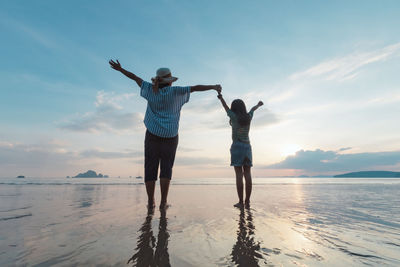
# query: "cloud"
[[187, 149], [263, 117], [55, 151], [54, 158], [108, 116], [193, 161], [16, 157], [329, 161], [97, 153], [204, 105], [347, 67], [213, 117]]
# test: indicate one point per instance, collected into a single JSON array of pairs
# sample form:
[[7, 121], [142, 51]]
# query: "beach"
[[291, 222]]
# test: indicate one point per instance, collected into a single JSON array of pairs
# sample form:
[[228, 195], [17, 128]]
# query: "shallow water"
[[307, 223]]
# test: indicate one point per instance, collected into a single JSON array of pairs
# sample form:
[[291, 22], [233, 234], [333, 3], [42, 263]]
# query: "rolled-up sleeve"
[[183, 93], [145, 89]]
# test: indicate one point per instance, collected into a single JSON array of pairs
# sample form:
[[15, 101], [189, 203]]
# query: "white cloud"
[[112, 99], [334, 161], [108, 116], [347, 67]]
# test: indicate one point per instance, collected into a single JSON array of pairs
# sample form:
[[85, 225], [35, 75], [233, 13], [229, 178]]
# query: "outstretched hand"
[[260, 103], [115, 65]]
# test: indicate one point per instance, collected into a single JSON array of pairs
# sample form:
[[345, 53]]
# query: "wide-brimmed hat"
[[164, 75]]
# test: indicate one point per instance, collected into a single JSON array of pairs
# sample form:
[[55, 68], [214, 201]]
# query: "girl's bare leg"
[[239, 184], [249, 184]]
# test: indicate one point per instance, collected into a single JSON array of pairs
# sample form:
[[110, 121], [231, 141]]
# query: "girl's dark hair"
[[239, 108]]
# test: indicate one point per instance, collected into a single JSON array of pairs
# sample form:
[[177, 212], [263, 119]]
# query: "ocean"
[[291, 222]]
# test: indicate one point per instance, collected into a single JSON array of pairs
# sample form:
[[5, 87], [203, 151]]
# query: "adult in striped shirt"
[[164, 103]]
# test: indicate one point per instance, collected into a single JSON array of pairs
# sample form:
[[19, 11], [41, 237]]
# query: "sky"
[[327, 72]]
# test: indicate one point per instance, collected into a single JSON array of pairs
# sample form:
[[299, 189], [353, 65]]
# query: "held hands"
[[115, 65]]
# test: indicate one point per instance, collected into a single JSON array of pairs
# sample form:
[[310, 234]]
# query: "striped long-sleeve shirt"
[[164, 108]]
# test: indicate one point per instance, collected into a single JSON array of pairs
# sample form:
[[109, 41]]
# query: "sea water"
[[292, 221]]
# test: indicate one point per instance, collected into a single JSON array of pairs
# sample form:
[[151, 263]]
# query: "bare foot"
[[238, 205], [247, 204]]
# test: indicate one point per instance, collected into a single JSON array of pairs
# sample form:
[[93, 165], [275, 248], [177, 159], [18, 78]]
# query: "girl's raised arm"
[[117, 66], [223, 102], [260, 103]]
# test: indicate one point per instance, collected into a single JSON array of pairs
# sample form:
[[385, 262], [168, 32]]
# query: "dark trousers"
[[159, 151]]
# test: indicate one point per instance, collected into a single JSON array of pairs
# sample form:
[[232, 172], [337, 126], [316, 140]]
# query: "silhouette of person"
[[149, 251]]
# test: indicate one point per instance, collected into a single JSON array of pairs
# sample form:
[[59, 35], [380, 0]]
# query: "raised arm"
[[260, 103], [223, 102], [200, 88], [117, 66]]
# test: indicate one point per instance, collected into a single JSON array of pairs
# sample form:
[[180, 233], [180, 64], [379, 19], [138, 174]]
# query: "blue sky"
[[327, 73]]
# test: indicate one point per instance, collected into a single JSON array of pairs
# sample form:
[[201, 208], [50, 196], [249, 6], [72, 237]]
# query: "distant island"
[[20, 176], [369, 174], [90, 174]]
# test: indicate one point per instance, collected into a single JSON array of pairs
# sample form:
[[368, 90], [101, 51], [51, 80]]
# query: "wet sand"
[[109, 225]]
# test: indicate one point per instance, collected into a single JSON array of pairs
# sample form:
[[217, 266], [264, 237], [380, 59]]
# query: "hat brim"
[[168, 79]]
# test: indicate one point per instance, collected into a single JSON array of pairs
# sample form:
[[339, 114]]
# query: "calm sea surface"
[[292, 222]]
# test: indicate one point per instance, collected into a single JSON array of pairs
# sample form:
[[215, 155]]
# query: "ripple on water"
[[15, 217]]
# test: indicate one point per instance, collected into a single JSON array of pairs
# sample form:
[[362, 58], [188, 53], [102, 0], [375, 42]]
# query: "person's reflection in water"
[[145, 254], [246, 251]]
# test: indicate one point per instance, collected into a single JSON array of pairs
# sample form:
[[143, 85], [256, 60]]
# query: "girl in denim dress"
[[241, 155]]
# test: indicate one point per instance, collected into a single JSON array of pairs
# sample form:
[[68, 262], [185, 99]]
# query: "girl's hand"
[[260, 103], [115, 65]]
